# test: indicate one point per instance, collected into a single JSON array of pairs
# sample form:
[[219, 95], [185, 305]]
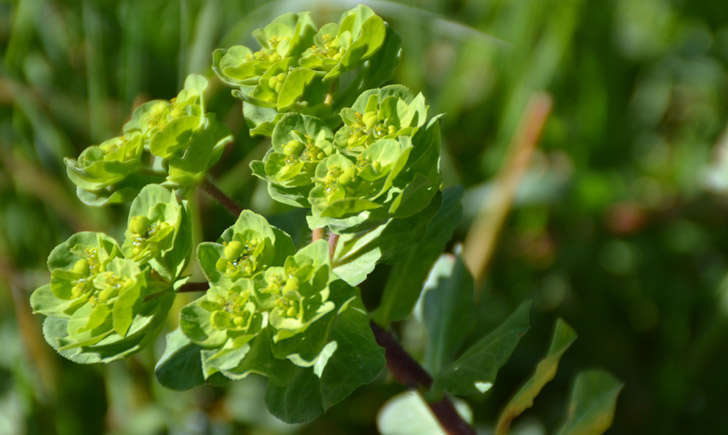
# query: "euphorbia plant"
[[362, 158]]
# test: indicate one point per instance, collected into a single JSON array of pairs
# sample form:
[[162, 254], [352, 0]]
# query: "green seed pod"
[[347, 175], [369, 119], [81, 267], [139, 225], [291, 285], [221, 264], [105, 294], [292, 148], [233, 250]]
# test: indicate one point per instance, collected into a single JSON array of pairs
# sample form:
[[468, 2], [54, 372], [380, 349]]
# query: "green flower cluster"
[[263, 295], [170, 142], [298, 66], [382, 163], [104, 301]]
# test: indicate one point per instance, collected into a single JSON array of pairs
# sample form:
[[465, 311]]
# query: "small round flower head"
[[244, 249]]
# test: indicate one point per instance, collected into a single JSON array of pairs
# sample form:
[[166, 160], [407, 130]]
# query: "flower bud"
[[139, 224], [369, 119], [233, 249], [105, 294], [291, 285], [81, 267], [293, 147], [347, 175]]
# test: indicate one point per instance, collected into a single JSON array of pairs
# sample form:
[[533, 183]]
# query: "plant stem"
[[333, 240], [220, 196], [408, 372], [404, 369], [402, 366], [317, 234], [193, 287]]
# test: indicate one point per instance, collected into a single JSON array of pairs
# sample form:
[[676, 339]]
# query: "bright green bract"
[[383, 163], [103, 301], [298, 67], [170, 142]]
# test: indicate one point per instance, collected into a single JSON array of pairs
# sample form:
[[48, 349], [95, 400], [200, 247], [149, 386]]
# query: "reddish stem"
[[408, 372], [220, 196]]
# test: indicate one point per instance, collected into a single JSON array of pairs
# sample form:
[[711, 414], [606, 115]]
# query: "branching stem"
[[403, 367], [333, 240], [408, 372], [193, 287], [318, 234], [220, 196]]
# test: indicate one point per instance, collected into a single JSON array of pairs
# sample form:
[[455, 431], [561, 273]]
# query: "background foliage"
[[617, 226]]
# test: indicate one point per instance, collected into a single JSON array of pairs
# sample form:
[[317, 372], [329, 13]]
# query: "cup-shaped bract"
[[246, 248], [343, 46], [281, 317], [299, 142], [382, 163], [158, 231], [270, 77], [172, 142], [383, 113], [284, 38], [227, 316], [73, 265], [95, 303], [297, 68], [187, 139], [101, 166], [297, 294]]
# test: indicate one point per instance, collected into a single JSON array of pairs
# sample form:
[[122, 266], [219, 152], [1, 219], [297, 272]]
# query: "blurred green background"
[[618, 225]]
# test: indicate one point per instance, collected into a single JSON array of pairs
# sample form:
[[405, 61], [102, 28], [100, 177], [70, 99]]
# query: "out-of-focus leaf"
[[592, 403], [297, 402], [179, 367], [545, 371], [475, 370], [448, 310], [410, 270], [406, 413]]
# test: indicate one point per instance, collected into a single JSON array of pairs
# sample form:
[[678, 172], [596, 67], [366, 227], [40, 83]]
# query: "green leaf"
[[592, 403], [358, 359], [380, 67], [357, 254], [195, 324], [294, 86], [205, 147], [544, 373], [175, 136], [407, 413], [143, 330], [179, 367], [297, 402], [260, 120], [147, 116], [409, 272], [448, 310], [260, 360], [475, 370], [221, 359], [122, 313], [371, 36], [43, 301]]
